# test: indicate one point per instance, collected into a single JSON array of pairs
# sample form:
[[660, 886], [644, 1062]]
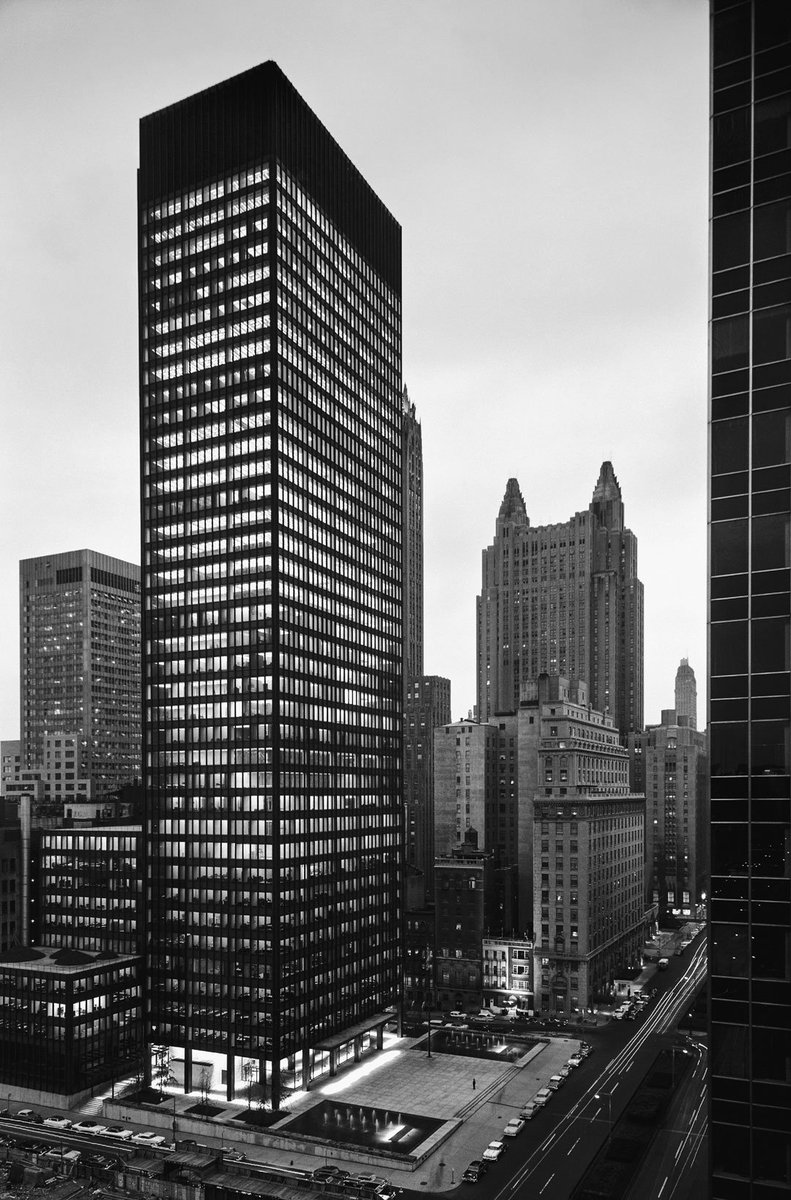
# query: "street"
[[556, 1148]]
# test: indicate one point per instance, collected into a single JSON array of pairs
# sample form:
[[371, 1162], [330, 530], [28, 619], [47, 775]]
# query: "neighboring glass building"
[[270, 281], [80, 669], [90, 889], [69, 1021], [750, 600]]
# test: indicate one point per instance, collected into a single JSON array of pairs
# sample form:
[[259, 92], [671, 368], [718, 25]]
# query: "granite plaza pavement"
[[396, 1078], [441, 1087]]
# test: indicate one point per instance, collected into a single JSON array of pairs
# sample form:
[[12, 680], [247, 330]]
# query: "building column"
[[187, 1069], [275, 1089], [380, 1033], [358, 1044], [230, 1076], [333, 1061], [307, 1058]]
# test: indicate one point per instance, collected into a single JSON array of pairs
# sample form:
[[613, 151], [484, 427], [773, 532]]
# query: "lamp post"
[[601, 1096]]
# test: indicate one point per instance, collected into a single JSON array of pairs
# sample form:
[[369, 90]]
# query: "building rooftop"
[[57, 960]]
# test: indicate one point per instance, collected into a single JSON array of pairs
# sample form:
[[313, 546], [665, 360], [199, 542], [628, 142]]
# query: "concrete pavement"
[[398, 1078]]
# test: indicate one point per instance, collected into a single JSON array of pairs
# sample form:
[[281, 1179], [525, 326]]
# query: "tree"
[[248, 1074], [204, 1084], [162, 1075]]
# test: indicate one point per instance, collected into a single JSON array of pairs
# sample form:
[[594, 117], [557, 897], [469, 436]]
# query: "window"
[[772, 229], [729, 343], [730, 241]]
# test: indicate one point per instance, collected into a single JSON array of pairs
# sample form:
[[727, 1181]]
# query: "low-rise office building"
[[463, 886], [68, 1020], [508, 974]]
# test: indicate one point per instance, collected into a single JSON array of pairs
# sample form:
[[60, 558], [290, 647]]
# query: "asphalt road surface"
[[550, 1156]]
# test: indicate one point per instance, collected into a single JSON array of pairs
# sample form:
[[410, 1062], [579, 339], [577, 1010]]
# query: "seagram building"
[[271, 401]]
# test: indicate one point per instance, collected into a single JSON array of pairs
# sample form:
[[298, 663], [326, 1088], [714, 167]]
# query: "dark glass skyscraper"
[[270, 281], [750, 599]]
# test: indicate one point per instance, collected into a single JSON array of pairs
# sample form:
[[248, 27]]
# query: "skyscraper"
[[426, 697], [563, 600], [750, 600], [270, 281], [687, 694], [80, 667], [669, 765], [412, 457], [427, 707]]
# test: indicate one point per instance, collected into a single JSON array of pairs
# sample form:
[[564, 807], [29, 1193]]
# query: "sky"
[[547, 160]]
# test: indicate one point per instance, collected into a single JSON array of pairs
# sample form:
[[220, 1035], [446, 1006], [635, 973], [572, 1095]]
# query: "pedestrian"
[[473, 1084]]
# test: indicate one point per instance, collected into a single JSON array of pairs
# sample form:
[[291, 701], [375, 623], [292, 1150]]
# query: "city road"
[[550, 1156]]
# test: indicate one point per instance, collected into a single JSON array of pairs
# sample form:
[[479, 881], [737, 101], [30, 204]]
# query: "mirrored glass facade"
[[271, 426], [750, 599]]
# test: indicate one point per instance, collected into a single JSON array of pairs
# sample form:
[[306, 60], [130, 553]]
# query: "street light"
[[608, 1095]]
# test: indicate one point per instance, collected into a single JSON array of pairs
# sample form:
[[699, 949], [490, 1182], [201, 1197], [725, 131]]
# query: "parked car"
[[663, 964], [28, 1114], [462, 1015], [475, 1171], [57, 1123], [494, 1151], [529, 1111], [327, 1174], [148, 1139], [576, 1060], [565, 1071], [98, 1162], [555, 1082], [53, 1153], [235, 1156], [514, 1126], [116, 1131], [485, 1015], [542, 1096], [88, 1127]]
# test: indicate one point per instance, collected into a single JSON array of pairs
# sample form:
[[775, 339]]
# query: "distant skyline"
[[548, 164]]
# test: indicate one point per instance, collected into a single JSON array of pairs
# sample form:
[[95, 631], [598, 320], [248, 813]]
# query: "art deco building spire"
[[607, 503], [512, 510]]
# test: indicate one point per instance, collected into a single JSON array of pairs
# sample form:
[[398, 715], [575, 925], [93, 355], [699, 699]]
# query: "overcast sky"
[[547, 160]]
